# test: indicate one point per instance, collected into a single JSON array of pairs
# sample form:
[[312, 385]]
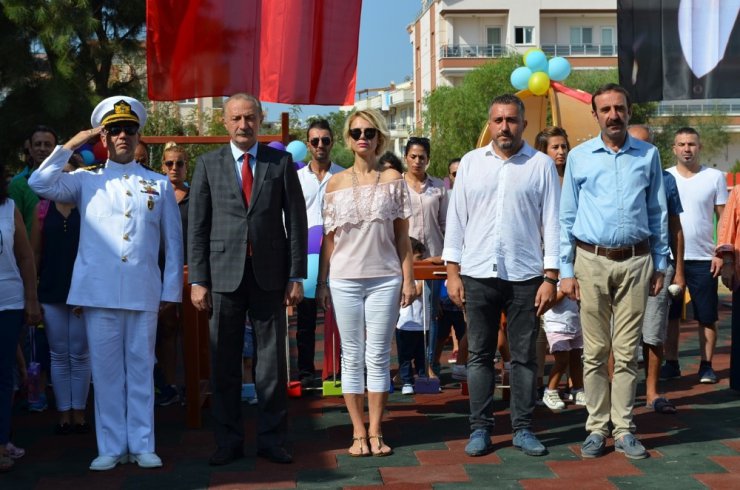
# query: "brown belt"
[[617, 254]]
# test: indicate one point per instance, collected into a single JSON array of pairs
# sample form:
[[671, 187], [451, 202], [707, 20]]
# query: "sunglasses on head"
[[357, 133], [170, 163], [116, 130], [324, 139]]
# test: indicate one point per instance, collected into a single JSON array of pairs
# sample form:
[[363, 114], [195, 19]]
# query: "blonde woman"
[[366, 258]]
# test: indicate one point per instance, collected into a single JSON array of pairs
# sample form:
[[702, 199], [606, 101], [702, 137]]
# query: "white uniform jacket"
[[125, 210]]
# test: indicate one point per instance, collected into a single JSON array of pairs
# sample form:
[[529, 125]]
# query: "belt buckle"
[[617, 254]]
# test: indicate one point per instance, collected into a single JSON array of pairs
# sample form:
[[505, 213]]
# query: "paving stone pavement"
[[697, 448]]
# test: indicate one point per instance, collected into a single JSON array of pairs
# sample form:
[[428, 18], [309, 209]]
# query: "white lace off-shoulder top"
[[362, 221]]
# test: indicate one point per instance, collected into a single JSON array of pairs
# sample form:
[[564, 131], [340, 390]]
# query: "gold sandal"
[[379, 453], [362, 453]]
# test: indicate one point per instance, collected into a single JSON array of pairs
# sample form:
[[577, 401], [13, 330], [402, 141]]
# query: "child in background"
[[249, 394], [410, 332], [563, 330]]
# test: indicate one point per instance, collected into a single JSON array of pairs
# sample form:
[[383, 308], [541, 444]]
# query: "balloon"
[[536, 61], [297, 149], [88, 157], [309, 284], [520, 77], [539, 83], [277, 145], [299, 165], [315, 234], [100, 152], [558, 68], [86, 146]]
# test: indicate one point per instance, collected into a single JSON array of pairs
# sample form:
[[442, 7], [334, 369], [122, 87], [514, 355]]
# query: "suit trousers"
[[620, 289], [121, 344], [267, 315]]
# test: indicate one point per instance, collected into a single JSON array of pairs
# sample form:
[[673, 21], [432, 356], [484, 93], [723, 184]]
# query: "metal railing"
[[698, 109], [473, 51], [580, 49]]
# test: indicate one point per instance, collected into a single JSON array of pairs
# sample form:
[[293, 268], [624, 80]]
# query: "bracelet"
[[322, 283], [550, 280]]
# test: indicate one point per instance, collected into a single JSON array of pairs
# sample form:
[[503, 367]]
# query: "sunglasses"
[[170, 163], [357, 133], [324, 139], [116, 130]]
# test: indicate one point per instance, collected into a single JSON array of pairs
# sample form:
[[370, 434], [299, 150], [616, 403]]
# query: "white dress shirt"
[[125, 210], [314, 190], [501, 213]]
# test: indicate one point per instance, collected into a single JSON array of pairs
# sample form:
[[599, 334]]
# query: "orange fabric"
[[728, 238]]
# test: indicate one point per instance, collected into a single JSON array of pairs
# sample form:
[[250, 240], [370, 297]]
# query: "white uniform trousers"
[[121, 346]]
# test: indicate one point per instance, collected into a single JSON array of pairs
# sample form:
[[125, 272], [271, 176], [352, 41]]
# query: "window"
[[581, 35], [524, 35], [493, 35], [187, 101]]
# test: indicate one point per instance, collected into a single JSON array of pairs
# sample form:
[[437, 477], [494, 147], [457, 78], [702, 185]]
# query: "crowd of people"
[[587, 251]]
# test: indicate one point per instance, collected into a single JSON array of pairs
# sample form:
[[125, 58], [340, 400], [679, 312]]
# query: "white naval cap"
[[118, 108]]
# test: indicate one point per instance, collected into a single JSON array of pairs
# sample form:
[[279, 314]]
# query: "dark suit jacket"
[[220, 223]]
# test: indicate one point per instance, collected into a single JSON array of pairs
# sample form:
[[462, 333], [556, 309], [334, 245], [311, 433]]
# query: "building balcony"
[[726, 107], [473, 51], [580, 49]]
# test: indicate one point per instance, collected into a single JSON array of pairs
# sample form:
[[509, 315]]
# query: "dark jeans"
[[485, 299], [11, 322], [410, 346], [735, 346], [305, 336]]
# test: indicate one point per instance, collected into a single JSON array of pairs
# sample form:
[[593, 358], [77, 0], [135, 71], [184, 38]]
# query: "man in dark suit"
[[247, 242]]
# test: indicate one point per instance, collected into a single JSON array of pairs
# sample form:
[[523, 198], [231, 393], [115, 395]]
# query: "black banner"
[[679, 49]]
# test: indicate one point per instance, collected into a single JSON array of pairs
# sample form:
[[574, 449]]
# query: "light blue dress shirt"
[[239, 159], [613, 200]]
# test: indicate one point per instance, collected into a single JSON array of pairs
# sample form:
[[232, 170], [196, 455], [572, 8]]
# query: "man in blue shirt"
[[613, 254]]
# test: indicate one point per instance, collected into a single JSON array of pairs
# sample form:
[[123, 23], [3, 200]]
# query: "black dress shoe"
[[63, 429], [82, 428], [226, 455], [276, 454]]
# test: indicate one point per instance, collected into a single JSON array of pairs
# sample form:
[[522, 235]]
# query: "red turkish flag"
[[288, 51]]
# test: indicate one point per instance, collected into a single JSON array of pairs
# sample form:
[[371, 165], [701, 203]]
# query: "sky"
[[385, 53]]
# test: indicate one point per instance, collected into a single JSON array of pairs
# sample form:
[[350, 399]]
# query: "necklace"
[[367, 218]]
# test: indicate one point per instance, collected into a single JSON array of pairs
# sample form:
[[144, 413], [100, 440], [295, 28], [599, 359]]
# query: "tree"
[[61, 58]]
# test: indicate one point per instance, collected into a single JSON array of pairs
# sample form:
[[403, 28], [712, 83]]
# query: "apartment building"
[[452, 37]]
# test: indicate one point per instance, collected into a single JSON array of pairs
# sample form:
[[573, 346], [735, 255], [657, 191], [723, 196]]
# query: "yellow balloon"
[[539, 83]]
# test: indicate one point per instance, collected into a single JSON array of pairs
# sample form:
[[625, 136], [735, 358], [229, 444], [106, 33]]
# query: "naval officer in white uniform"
[[126, 210]]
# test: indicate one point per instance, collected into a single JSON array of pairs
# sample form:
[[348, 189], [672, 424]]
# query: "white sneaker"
[[103, 463], [407, 389], [146, 460], [552, 400], [579, 397], [460, 372]]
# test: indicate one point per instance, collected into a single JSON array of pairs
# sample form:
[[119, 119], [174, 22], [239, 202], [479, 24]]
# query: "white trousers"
[[70, 359], [122, 354], [366, 311]]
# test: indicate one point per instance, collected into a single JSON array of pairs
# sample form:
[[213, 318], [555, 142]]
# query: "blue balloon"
[[558, 68], [309, 284], [520, 77], [536, 60], [297, 149], [88, 157]]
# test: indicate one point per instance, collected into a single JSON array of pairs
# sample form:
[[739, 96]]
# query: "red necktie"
[[247, 179]]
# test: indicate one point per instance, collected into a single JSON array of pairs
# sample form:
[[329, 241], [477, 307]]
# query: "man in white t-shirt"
[[703, 194], [313, 178]]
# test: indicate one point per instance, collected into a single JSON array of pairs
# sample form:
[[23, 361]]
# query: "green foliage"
[[712, 131], [455, 116], [61, 57], [735, 167]]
